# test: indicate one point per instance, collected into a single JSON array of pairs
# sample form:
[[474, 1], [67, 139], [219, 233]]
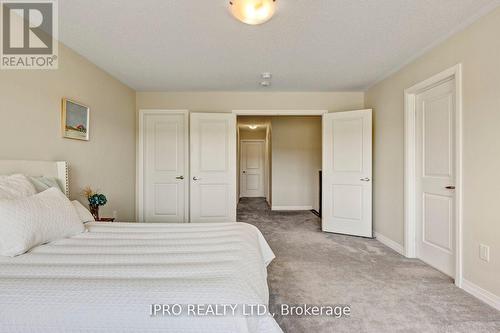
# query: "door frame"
[[410, 177], [275, 112], [264, 162], [280, 112], [139, 212]]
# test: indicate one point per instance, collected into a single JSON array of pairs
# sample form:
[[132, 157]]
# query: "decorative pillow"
[[15, 186], [38, 219], [83, 213], [44, 183]]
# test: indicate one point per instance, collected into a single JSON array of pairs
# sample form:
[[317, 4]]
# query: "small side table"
[[105, 219]]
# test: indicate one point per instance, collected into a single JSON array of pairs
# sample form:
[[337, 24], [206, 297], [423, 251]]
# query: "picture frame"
[[75, 120]]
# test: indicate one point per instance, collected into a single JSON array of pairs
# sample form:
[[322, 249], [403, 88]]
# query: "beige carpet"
[[386, 292]]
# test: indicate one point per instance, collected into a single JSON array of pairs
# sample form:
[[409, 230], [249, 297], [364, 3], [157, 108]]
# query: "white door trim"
[[410, 159], [139, 202], [279, 112], [264, 164]]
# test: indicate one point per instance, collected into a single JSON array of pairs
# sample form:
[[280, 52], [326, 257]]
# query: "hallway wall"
[[296, 161]]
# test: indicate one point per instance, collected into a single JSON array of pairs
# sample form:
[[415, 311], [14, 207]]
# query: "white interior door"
[[435, 172], [347, 173], [164, 185], [252, 168], [213, 167]]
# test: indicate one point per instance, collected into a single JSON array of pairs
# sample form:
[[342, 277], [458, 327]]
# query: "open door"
[[347, 173], [213, 167]]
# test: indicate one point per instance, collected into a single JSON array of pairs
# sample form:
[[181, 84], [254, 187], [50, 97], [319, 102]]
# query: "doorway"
[[254, 158], [252, 171], [290, 150], [433, 172], [341, 172]]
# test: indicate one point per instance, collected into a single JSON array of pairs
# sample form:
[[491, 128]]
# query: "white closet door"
[[213, 167], [347, 173], [164, 184]]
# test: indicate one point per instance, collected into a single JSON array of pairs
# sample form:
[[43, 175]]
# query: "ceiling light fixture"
[[252, 127], [253, 11], [265, 83]]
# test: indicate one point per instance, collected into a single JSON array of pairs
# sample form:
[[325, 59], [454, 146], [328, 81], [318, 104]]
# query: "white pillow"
[[15, 186], [42, 183], [31, 221], [83, 213]]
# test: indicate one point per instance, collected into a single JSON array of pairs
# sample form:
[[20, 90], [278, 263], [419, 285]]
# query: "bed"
[[111, 277]]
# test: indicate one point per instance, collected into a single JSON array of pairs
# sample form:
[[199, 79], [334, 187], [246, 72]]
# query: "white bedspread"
[[106, 279]]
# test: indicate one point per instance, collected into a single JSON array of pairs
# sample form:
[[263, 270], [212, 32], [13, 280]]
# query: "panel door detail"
[[252, 169], [213, 167], [435, 172], [347, 173], [164, 167]]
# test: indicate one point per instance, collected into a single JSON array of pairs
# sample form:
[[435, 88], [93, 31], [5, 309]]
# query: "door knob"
[[366, 179], [244, 172], [196, 178], [179, 177], [450, 187]]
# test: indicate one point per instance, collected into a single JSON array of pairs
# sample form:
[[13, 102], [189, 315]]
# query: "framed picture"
[[75, 120]]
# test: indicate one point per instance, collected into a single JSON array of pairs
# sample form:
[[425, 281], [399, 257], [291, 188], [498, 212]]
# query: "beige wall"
[[478, 49], [248, 134], [30, 120], [296, 159], [228, 101]]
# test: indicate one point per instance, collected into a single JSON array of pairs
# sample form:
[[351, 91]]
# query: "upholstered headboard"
[[58, 170]]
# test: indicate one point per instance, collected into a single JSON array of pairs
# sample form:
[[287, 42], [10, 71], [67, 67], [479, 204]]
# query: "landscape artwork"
[[75, 120]]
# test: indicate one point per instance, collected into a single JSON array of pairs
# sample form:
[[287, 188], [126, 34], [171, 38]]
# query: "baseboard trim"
[[390, 243], [291, 208], [482, 294]]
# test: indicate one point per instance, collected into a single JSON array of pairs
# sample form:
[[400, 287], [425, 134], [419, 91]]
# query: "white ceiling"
[[310, 45]]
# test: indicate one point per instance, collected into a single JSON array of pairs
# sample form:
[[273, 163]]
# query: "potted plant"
[[95, 201]]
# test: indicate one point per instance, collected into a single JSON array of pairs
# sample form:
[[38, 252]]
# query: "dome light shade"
[[253, 11]]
